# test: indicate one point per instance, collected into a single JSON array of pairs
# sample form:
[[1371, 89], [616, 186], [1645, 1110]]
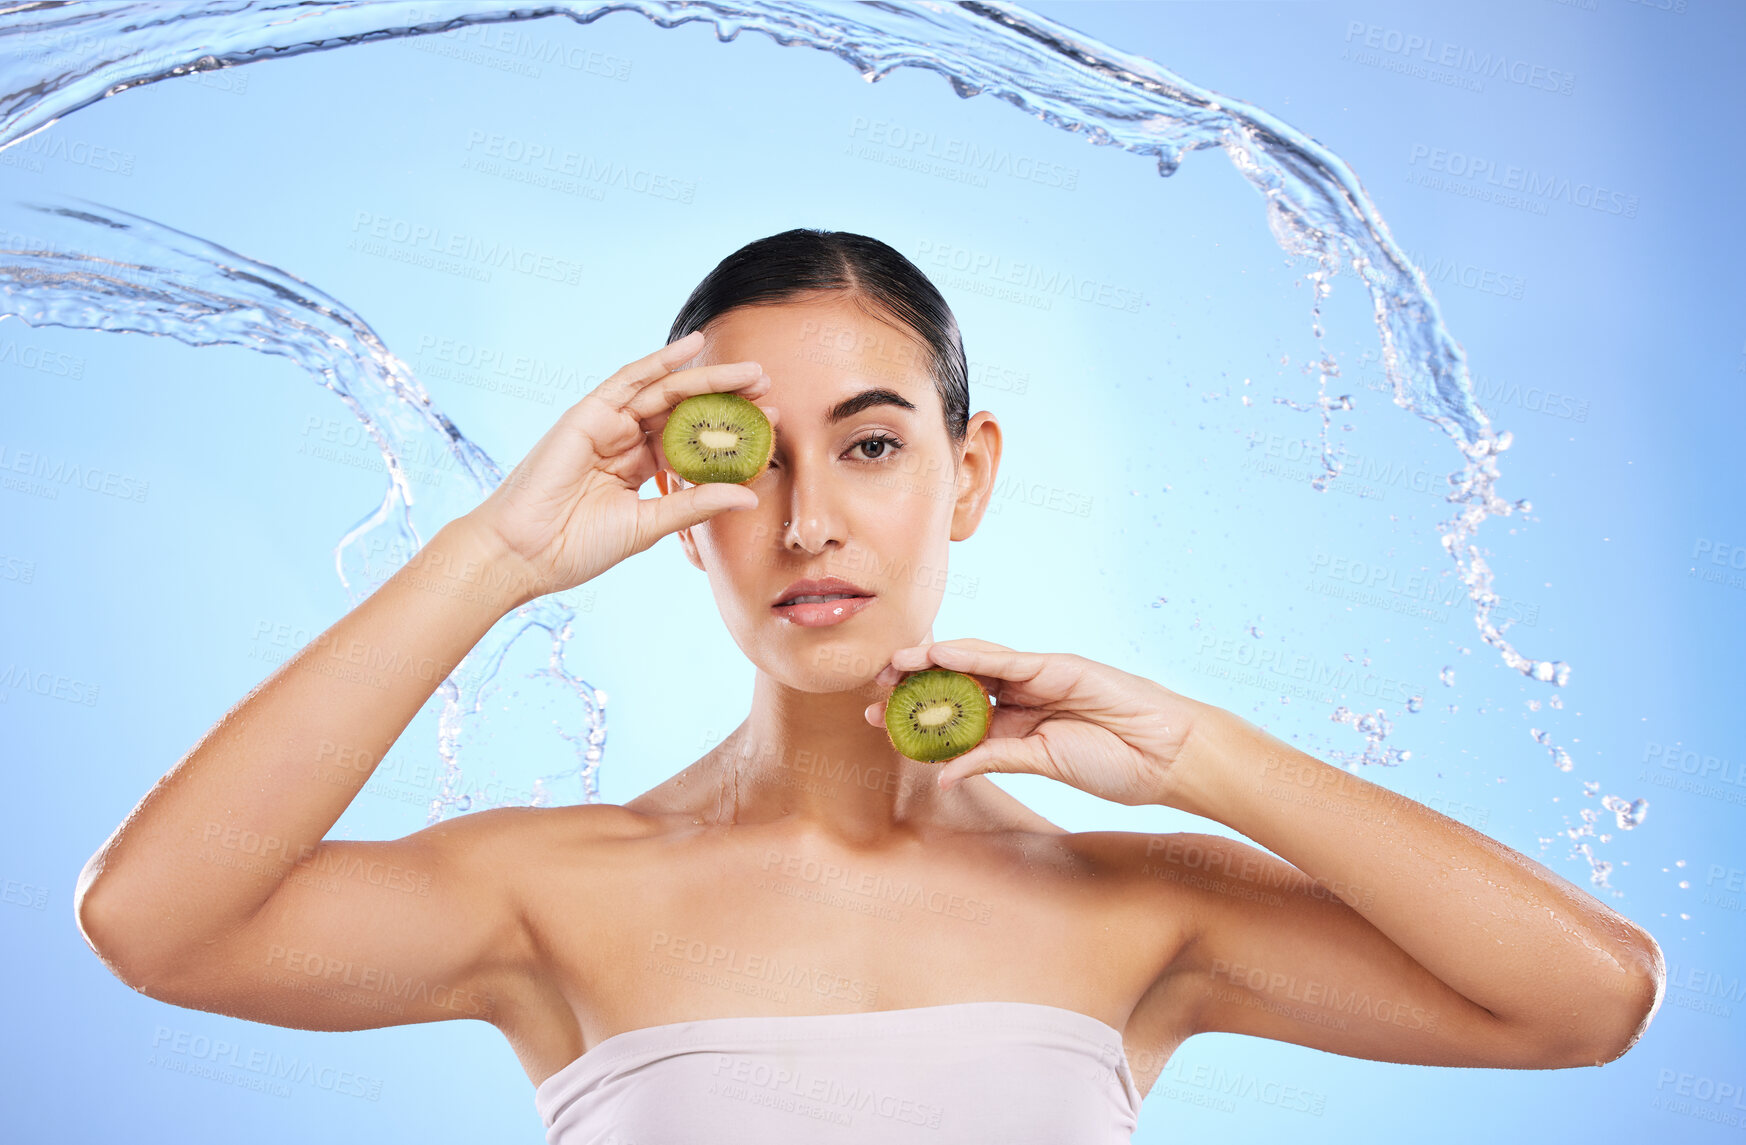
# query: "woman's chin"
[[834, 669]]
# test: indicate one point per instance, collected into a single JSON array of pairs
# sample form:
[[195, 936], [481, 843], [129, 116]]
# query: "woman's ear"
[[981, 462], [669, 482]]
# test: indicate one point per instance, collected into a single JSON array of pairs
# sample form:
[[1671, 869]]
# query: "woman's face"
[[864, 485]]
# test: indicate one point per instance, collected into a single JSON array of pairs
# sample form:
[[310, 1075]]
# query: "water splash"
[[68, 57], [1630, 813], [1375, 727], [1560, 758], [153, 279], [1600, 870]]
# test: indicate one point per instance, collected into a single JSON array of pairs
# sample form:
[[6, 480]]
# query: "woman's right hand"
[[570, 510]]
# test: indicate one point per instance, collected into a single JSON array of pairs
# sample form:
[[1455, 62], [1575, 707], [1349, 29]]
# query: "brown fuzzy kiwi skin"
[[937, 668]]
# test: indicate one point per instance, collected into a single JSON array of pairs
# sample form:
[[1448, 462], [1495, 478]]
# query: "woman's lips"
[[819, 613]]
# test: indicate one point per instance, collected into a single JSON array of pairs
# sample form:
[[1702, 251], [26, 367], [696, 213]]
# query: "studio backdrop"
[[1373, 371]]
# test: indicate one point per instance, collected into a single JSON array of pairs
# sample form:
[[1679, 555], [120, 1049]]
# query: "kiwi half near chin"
[[936, 714], [717, 437]]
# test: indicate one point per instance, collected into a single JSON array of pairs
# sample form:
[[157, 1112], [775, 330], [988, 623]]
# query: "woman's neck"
[[811, 760]]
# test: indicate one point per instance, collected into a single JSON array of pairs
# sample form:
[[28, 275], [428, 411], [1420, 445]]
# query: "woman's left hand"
[[1102, 730]]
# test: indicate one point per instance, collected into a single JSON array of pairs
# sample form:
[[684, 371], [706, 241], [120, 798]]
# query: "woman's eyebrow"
[[849, 407]]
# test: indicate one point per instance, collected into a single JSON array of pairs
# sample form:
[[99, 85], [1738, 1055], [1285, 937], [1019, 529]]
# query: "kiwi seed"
[[935, 714], [718, 437]]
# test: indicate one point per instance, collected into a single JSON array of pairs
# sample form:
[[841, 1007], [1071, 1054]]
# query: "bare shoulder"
[[1202, 877], [1206, 887], [541, 864], [531, 838], [1177, 856], [510, 856], [1141, 858], [584, 822]]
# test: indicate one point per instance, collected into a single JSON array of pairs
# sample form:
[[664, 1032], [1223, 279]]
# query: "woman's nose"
[[807, 532], [812, 520]]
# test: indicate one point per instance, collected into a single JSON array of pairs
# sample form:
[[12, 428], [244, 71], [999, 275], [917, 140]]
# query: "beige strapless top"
[[965, 1073]]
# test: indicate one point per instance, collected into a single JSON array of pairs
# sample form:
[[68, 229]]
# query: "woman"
[[804, 928]]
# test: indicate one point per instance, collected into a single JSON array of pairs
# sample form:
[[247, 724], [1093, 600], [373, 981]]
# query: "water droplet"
[[1629, 814]]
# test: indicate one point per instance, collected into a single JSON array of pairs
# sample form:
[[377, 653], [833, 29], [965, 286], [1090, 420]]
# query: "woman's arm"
[[265, 785], [1561, 978], [1389, 932], [192, 887]]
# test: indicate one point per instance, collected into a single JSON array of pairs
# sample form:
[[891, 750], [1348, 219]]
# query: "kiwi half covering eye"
[[718, 437], [935, 714]]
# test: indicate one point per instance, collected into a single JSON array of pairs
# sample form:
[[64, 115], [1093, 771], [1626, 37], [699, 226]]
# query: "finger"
[[658, 516], [915, 658], [616, 413], [657, 398], [608, 426], [1013, 719], [644, 464], [1008, 755], [990, 660]]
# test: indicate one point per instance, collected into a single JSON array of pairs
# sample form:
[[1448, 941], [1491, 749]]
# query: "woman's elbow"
[[1624, 1003]]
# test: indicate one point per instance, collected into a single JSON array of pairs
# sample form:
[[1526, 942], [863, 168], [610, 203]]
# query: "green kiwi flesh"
[[935, 714], [717, 437]]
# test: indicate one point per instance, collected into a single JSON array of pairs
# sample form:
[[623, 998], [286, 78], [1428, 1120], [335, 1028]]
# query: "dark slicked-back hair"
[[806, 261]]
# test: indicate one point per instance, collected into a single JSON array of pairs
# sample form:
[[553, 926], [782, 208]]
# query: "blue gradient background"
[[174, 606]]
